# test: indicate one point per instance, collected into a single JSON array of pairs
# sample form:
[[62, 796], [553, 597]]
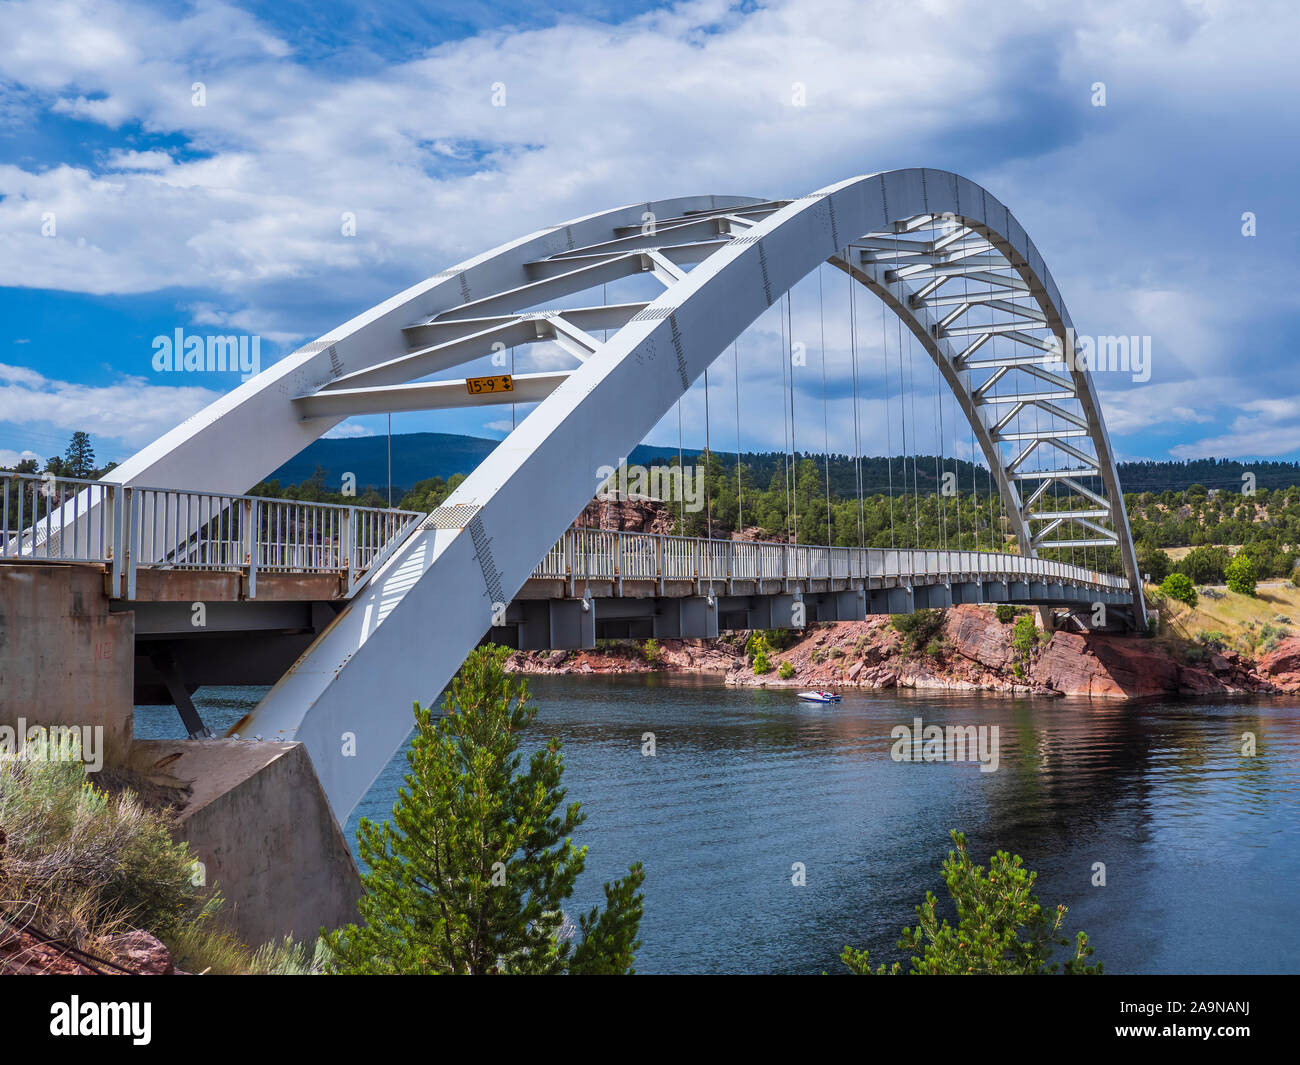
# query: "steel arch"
[[722, 262]]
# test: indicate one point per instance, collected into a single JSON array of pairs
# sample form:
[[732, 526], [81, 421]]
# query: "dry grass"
[[82, 864], [1180, 553], [89, 861], [1239, 617]]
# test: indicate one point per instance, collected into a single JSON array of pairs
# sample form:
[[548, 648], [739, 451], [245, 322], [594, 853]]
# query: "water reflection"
[[1198, 841]]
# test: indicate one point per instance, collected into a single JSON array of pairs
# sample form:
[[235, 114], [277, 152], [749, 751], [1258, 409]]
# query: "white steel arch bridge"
[[942, 253]]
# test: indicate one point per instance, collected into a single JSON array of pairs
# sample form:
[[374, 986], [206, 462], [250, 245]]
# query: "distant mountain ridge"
[[419, 456], [416, 457]]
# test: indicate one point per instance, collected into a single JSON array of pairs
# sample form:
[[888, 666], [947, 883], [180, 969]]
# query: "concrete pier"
[[253, 812]]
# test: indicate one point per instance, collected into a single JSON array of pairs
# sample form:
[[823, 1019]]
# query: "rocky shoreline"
[[969, 650]]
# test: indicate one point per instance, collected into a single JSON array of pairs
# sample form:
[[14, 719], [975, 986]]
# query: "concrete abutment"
[[253, 812]]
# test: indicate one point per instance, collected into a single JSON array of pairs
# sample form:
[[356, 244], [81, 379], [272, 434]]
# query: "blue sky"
[[225, 217]]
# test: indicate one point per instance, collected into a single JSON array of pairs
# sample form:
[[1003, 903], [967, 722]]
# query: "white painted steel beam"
[[410, 626], [427, 395]]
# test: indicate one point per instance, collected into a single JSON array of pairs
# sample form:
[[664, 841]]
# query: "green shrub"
[[780, 639], [836, 652], [1295, 577], [86, 859], [1005, 612], [761, 664], [995, 909], [1179, 586], [1153, 562], [786, 671], [81, 862], [650, 651], [1213, 639], [917, 628], [1204, 565], [1242, 575], [1024, 637]]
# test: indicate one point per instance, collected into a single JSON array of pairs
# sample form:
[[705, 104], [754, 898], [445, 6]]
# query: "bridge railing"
[[602, 554], [129, 528], [58, 518]]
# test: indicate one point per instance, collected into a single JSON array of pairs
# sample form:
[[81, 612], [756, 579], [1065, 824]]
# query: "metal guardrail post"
[[130, 504], [347, 541], [113, 527], [570, 543], [251, 517]]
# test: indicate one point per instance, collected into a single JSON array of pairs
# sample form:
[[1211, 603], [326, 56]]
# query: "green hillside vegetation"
[[774, 495]]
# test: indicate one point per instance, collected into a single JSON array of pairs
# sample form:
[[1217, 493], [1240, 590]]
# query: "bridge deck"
[[150, 539], [284, 568]]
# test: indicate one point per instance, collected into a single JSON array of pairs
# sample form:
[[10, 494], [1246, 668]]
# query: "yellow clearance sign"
[[480, 386]]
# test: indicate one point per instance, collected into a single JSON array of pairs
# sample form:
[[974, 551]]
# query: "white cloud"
[[10, 458], [347, 431], [1267, 427], [1134, 207], [131, 409], [130, 160]]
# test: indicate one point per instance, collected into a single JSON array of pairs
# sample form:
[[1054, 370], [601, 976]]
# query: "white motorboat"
[[820, 697]]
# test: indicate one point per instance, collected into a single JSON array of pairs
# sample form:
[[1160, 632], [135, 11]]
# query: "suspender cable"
[[794, 452], [916, 447], [956, 465], [826, 425], [708, 495], [857, 426], [939, 461], [681, 474], [974, 483], [902, 413], [889, 419], [785, 423], [740, 501]]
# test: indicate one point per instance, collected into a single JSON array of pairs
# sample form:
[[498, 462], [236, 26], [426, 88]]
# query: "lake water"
[[1200, 843]]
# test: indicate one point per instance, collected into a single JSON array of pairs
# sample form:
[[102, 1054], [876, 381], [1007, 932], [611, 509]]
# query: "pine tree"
[[79, 459], [993, 910], [472, 873]]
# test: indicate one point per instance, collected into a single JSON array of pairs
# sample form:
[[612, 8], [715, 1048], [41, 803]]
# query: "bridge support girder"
[[851, 605], [932, 596], [698, 617], [548, 624], [996, 592], [897, 601]]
